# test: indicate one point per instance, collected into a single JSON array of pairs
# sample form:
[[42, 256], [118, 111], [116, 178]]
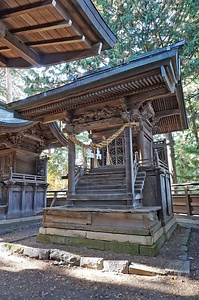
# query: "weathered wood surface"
[[49, 32], [186, 200], [143, 222]]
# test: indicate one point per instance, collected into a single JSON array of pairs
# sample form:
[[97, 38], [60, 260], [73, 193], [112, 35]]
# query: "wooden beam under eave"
[[65, 15], [53, 42], [52, 58], [54, 117], [166, 113], [25, 9], [18, 47], [42, 27], [3, 61], [149, 95]]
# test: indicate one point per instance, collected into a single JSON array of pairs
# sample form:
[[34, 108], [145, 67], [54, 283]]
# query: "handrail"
[[25, 177], [80, 170], [182, 188], [135, 166]]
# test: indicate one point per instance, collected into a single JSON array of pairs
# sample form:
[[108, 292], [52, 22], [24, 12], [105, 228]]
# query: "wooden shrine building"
[[125, 202], [32, 34], [23, 171]]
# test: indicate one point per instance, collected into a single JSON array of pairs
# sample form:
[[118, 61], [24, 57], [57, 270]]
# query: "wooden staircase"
[[105, 187]]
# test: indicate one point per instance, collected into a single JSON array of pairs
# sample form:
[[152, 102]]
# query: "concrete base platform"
[[135, 231]]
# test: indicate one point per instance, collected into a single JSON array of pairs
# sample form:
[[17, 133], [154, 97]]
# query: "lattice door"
[[117, 151]]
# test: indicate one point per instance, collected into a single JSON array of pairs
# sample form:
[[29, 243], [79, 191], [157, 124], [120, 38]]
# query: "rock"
[[66, 257], [118, 266], [91, 263], [36, 253]]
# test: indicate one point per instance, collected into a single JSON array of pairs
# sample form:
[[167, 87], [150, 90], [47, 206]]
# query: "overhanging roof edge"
[[112, 74]]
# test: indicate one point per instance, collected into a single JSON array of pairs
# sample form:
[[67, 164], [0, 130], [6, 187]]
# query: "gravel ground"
[[25, 278]]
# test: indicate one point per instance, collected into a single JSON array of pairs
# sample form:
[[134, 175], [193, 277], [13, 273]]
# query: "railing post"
[[187, 200], [71, 168], [129, 163], [156, 158]]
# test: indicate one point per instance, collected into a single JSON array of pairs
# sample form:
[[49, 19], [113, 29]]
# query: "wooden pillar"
[[129, 162], [141, 144], [71, 168]]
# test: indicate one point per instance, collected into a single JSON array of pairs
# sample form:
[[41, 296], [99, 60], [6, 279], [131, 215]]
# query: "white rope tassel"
[[108, 157], [84, 158], [95, 160]]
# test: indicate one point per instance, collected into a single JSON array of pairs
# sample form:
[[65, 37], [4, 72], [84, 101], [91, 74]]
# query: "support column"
[[129, 164], [141, 145], [71, 168]]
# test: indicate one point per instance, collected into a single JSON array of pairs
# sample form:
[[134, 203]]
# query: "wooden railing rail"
[[186, 199], [56, 197], [25, 177]]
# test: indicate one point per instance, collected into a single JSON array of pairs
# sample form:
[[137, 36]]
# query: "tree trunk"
[[8, 86], [171, 157]]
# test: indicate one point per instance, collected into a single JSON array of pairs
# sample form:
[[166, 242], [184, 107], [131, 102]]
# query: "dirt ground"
[[25, 278]]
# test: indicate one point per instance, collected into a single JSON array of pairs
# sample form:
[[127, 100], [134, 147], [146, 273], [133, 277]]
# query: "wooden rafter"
[[28, 39], [13, 43], [42, 27], [60, 41], [60, 9], [25, 9]]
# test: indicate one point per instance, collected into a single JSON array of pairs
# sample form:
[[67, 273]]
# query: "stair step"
[[108, 169], [104, 191], [99, 197], [101, 177], [112, 174], [103, 184]]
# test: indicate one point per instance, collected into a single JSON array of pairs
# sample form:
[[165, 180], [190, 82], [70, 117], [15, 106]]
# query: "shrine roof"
[[47, 32], [9, 124], [154, 76]]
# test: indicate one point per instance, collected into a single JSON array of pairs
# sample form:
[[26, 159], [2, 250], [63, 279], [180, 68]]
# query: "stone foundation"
[[138, 232]]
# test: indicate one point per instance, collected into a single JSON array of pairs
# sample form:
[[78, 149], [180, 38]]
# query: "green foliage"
[[187, 157], [140, 26], [146, 25], [57, 167]]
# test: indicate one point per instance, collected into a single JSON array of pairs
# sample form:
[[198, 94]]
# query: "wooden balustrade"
[[186, 200], [56, 198]]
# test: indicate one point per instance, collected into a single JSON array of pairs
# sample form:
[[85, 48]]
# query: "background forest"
[[140, 26]]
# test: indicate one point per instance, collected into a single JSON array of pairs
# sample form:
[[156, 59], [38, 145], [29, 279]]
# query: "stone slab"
[[178, 267], [91, 263], [104, 236], [117, 266], [141, 269]]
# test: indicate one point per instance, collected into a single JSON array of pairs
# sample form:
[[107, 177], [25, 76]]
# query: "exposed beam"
[[54, 117], [42, 27], [3, 61], [60, 41], [149, 95], [51, 58], [17, 46], [170, 85], [61, 10], [166, 113], [4, 49], [25, 9]]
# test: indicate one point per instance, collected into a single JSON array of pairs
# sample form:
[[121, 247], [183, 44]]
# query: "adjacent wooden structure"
[[47, 32], [186, 200], [23, 172], [126, 202]]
